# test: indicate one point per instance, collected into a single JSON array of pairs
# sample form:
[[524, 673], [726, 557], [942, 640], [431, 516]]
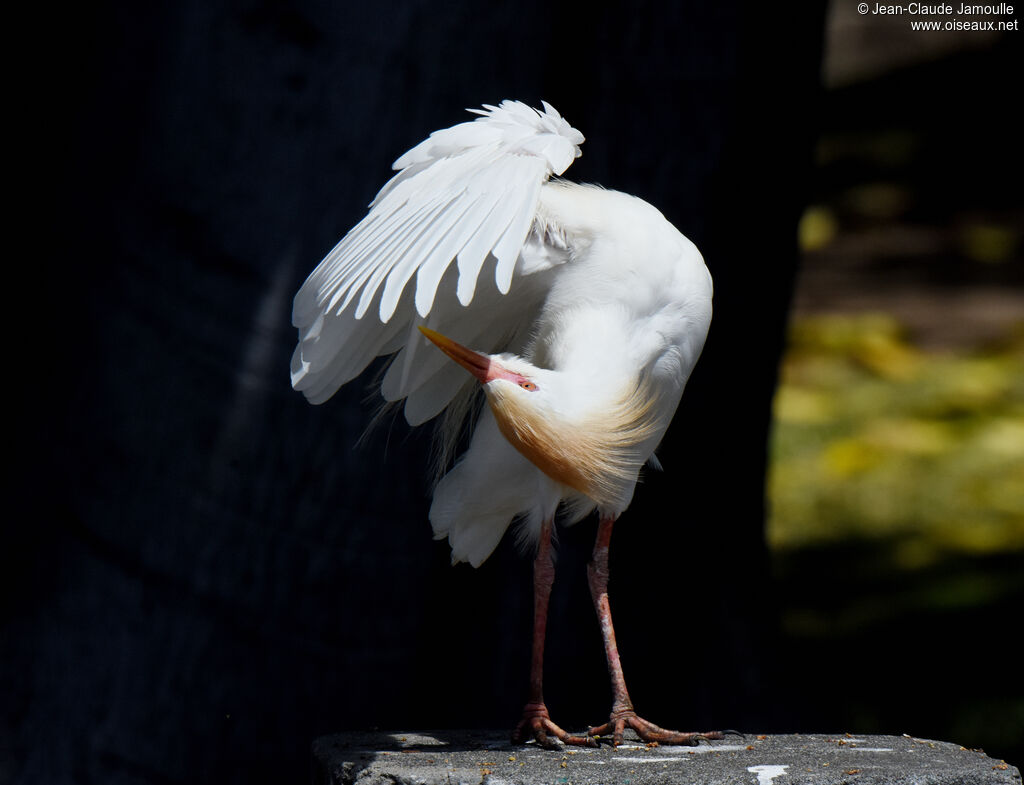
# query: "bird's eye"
[[530, 386]]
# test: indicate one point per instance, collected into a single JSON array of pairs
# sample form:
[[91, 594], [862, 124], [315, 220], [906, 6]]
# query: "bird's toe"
[[536, 725], [613, 731], [650, 732]]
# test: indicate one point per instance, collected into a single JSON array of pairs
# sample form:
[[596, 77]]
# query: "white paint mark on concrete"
[[703, 748], [645, 759], [765, 774]]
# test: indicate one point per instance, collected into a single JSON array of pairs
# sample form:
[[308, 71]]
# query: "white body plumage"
[[599, 307]]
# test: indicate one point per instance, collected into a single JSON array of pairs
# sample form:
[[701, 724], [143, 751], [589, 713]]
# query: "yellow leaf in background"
[[1004, 436], [817, 228], [916, 437], [844, 333], [979, 535], [974, 384], [801, 406], [886, 355], [847, 457]]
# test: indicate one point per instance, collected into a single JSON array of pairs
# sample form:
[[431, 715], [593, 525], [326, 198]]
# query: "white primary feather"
[[468, 194]]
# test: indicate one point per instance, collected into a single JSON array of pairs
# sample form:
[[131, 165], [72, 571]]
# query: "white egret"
[[586, 310]]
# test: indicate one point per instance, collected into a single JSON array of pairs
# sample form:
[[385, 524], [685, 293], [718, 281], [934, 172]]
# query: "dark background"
[[202, 573]]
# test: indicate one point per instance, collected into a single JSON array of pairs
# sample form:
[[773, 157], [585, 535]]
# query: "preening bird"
[[578, 311]]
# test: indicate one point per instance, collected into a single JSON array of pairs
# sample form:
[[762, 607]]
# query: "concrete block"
[[486, 757]]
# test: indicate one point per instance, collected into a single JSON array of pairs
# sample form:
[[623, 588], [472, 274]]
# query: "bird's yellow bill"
[[476, 363]]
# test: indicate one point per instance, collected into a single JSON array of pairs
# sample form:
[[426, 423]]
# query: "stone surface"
[[451, 757]]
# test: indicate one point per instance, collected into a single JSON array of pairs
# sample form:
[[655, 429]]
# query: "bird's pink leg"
[[623, 715], [536, 722]]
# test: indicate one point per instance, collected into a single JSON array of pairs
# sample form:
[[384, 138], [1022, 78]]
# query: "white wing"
[[467, 194]]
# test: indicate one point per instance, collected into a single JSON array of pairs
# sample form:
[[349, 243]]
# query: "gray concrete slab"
[[453, 757]]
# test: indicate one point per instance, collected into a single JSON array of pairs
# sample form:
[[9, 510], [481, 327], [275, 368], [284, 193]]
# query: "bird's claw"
[[647, 731], [536, 724]]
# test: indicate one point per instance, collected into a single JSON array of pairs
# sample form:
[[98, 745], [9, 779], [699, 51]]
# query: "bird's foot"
[[536, 724], [647, 731]]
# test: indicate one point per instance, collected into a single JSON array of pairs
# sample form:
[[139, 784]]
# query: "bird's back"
[[635, 290]]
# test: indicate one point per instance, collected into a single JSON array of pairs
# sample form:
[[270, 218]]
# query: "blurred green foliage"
[[876, 440]]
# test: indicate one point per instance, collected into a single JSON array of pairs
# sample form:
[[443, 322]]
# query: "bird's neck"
[[598, 453]]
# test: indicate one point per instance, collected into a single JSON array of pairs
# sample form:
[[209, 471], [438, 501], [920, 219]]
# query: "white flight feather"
[[467, 194]]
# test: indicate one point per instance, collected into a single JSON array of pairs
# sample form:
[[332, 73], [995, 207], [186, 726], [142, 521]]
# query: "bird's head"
[[512, 384], [587, 441]]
